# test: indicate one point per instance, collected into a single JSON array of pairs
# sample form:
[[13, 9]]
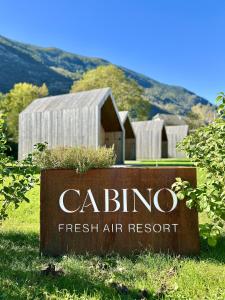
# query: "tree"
[[206, 148], [16, 100], [200, 115], [1, 98], [128, 94], [2, 102]]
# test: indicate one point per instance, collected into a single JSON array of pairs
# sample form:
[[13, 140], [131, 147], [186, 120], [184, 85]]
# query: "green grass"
[[90, 277], [161, 162]]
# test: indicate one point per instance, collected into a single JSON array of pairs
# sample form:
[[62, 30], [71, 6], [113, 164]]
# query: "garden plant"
[[16, 178], [81, 159], [206, 148]]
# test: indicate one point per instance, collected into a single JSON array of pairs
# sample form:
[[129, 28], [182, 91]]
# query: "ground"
[[90, 277]]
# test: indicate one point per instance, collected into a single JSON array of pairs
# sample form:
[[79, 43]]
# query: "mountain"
[[21, 62]]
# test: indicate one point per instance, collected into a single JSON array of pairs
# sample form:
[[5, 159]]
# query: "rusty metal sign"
[[118, 210]]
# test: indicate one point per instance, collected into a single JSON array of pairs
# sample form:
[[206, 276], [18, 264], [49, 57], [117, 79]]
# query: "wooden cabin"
[[175, 134], [130, 139], [151, 139], [89, 119]]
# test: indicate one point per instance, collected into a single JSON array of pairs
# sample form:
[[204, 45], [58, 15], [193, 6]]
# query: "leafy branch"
[[16, 178], [206, 148]]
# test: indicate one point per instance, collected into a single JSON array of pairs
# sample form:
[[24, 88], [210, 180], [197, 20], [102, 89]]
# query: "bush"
[[16, 178], [80, 159], [206, 148]]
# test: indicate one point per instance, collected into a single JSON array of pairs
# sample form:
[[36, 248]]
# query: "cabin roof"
[[123, 115], [180, 130], [156, 125], [79, 100], [172, 120]]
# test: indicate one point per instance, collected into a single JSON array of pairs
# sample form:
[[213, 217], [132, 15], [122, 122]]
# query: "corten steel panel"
[[54, 182]]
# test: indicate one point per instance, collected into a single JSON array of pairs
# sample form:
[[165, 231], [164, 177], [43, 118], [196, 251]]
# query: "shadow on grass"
[[214, 254], [20, 276]]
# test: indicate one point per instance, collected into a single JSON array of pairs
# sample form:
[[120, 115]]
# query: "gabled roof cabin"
[[89, 119], [151, 139]]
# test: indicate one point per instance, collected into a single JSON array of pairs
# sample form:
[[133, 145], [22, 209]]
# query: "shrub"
[[80, 159], [206, 148], [16, 178]]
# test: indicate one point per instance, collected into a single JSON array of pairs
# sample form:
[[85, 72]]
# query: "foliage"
[[16, 100], [79, 158], [206, 147], [1, 98], [15, 178], [128, 94], [200, 115]]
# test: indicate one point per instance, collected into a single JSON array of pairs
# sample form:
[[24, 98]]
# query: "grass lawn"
[[161, 162], [89, 277]]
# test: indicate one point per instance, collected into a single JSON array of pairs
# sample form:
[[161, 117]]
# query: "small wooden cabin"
[[175, 134], [151, 139], [89, 119], [130, 139]]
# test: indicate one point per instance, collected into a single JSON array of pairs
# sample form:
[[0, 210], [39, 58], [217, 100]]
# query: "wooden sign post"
[[116, 210]]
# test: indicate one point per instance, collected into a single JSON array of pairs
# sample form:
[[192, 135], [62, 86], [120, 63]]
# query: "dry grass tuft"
[[80, 159]]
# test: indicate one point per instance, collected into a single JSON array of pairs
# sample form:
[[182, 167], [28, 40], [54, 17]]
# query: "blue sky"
[[173, 41]]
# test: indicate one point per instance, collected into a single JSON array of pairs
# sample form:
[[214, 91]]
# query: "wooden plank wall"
[[115, 138], [70, 127], [148, 143], [175, 134]]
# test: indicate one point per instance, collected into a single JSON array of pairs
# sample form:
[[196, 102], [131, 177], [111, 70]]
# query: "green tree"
[[128, 94], [2, 102], [206, 148], [16, 100]]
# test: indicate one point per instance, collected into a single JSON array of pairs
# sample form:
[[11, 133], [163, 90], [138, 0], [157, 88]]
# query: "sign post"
[[118, 210]]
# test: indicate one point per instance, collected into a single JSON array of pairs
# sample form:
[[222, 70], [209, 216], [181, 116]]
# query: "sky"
[[179, 42]]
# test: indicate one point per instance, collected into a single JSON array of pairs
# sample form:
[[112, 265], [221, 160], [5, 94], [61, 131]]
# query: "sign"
[[116, 210]]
